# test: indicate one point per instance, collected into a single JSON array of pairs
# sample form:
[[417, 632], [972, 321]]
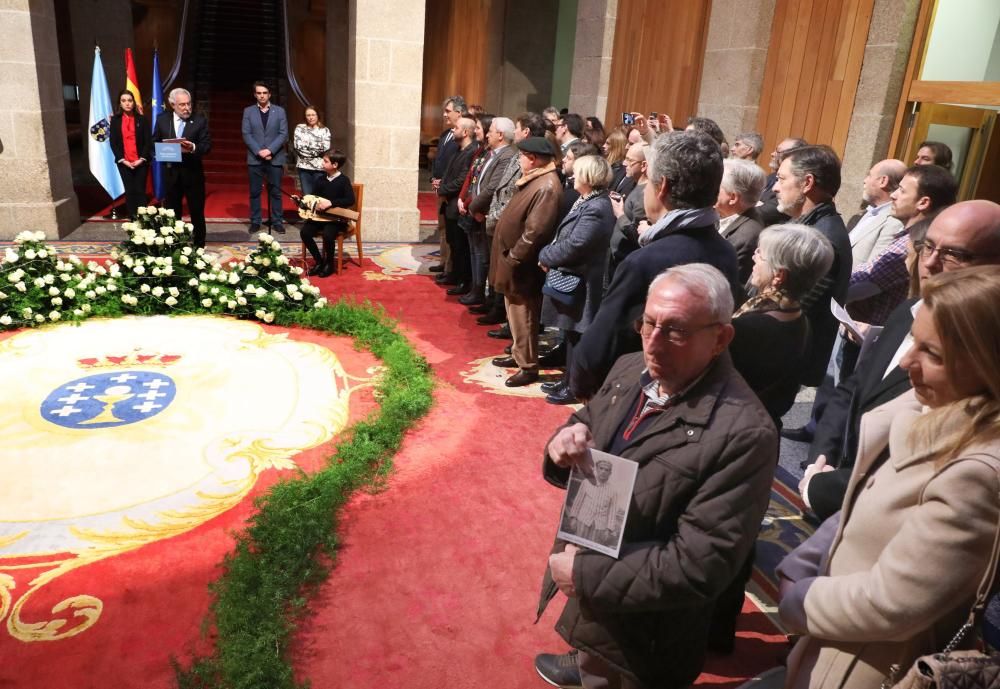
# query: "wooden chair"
[[353, 230]]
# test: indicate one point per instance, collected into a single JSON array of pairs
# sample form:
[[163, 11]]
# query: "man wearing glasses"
[[569, 129], [706, 450], [963, 235]]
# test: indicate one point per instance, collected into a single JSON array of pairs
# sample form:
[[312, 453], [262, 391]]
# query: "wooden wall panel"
[[658, 54], [813, 68], [456, 56]]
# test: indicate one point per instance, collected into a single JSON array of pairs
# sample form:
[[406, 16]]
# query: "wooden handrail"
[[289, 72], [175, 70]]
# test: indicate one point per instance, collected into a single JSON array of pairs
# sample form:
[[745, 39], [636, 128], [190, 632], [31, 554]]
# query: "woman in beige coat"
[[894, 574]]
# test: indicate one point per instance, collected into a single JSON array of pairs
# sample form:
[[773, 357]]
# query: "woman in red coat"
[[131, 142]]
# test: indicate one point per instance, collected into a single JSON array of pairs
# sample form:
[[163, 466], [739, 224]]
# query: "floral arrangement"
[[156, 270]]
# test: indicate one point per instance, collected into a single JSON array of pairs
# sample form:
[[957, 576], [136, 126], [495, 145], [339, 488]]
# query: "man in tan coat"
[[525, 226]]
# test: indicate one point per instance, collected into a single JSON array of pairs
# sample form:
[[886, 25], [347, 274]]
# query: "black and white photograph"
[[597, 501]]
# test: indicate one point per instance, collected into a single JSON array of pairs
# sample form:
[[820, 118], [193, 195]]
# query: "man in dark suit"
[[186, 179], [684, 182], [453, 108], [739, 222], [965, 234], [265, 131], [808, 179], [768, 208]]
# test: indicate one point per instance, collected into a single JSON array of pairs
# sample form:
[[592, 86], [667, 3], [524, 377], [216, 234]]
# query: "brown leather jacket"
[[526, 225], [705, 471]]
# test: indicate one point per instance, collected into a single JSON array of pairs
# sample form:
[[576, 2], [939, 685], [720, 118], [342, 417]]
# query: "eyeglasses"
[[675, 335], [954, 257]]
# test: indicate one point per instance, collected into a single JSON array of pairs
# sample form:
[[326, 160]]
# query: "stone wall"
[[595, 40], [732, 76], [36, 190], [385, 58]]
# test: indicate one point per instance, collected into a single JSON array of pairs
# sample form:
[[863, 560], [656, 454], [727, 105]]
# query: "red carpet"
[[437, 581]]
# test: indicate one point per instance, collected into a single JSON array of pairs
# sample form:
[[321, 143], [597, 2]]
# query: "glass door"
[[966, 130]]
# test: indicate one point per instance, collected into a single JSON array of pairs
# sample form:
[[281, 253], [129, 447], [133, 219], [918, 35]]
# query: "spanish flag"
[[131, 81]]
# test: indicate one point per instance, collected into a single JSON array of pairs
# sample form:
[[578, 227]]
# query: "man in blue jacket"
[[685, 171], [265, 131]]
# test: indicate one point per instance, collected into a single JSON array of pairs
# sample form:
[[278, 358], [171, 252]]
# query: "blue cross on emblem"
[[105, 400]]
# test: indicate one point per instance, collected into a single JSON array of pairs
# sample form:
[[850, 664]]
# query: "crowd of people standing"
[[695, 294]]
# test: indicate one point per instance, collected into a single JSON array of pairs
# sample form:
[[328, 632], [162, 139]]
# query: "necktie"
[[180, 127]]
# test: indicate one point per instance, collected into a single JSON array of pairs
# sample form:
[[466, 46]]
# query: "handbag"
[[562, 286], [953, 669]]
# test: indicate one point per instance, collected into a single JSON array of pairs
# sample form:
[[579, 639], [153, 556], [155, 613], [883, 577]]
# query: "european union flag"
[[157, 108]]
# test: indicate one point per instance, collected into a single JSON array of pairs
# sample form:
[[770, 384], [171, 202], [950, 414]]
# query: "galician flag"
[[131, 81], [102, 160], [156, 107]]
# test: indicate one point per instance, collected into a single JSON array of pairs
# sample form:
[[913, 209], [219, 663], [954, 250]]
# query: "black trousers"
[[458, 242], [329, 231], [135, 186], [188, 182]]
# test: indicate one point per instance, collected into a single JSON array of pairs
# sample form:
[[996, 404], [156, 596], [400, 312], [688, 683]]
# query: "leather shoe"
[[552, 386], [491, 319], [254, 229], [445, 279], [460, 288], [504, 362], [559, 670], [470, 299], [480, 309], [553, 358], [561, 396], [799, 435], [317, 269], [521, 378], [280, 229], [502, 333], [326, 272], [436, 269]]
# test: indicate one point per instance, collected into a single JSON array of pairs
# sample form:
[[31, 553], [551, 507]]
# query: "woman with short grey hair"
[[771, 330], [768, 350]]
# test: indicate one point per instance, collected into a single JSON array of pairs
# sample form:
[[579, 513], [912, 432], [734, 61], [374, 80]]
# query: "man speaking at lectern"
[[185, 179]]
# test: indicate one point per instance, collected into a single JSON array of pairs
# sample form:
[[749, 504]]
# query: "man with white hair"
[[747, 146], [185, 179], [706, 450], [877, 227], [739, 222]]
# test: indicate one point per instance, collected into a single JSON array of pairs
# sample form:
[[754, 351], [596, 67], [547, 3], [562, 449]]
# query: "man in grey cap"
[[527, 223]]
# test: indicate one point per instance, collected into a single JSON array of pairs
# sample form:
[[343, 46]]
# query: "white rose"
[[42, 253], [53, 291], [242, 301], [144, 288], [3, 295], [188, 226], [234, 278], [202, 289], [174, 292], [100, 289], [49, 278], [214, 290], [184, 260], [77, 312], [20, 287], [268, 317], [157, 272], [170, 212], [39, 283], [56, 301], [139, 269], [170, 301], [10, 256], [26, 311], [321, 302], [55, 316], [112, 287], [159, 241], [30, 254], [266, 262], [206, 302], [157, 291], [65, 277], [85, 308], [90, 294], [297, 296], [231, 304], [6, 320], [168, 241], [40, 318], [70, 293]]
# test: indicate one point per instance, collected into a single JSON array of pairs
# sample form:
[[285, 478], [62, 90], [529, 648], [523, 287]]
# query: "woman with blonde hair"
[[893, 575], [615, 148], [574, 262]]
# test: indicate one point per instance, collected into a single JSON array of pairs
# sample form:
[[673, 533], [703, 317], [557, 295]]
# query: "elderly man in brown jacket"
[[706, 450], [526, 225]]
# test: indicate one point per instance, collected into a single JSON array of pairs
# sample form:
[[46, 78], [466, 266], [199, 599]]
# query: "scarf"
[[679, 219], [770, 299], [583, 199]]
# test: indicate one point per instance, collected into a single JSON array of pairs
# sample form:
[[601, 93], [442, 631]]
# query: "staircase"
[[239, 42]]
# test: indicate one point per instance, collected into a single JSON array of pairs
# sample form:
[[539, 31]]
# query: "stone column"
[[595, 40], [739, 33], [385, 79], [887, 51], [36, 186]]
